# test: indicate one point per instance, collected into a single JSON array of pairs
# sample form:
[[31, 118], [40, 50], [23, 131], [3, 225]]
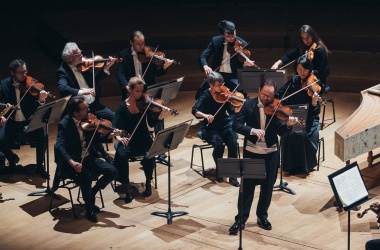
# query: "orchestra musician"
[[300, 148], [12, 90], [130, 117], [218, 48], [73, 82], [78, 159], [217, 128], [308, 36], [260, 142]]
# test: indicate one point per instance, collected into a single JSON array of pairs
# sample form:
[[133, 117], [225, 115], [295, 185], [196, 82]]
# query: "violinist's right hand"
[[89, 92], [258, 132], [209, 118], [277, 64], [207, 70], [123, 140], [2, 121], [291, 121], [76, 165]]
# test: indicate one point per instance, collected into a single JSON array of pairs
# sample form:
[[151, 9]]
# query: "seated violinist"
[[300, 148], [129, 117], [78, 159], [73, 82], [217, 127], [12, 90]]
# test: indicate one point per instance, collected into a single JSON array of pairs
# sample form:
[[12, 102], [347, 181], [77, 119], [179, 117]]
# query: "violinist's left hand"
[[248, 63], [315, 99], [164, 112], [292, 120], [110, 62], [43, 95], [167, 63]]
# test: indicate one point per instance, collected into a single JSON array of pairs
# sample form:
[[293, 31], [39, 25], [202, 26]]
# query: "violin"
[[156, 105], [282, 112], [243, 54], [33, 86], [7, 108], [313, 87], [103, 126], [235, 98], [310, 52], [89, 62], [158, 57]]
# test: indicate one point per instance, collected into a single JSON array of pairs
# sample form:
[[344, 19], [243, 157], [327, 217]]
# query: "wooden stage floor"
[[307, 220]]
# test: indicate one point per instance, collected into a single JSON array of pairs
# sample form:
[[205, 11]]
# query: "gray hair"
[[68, 51], [214, 77]]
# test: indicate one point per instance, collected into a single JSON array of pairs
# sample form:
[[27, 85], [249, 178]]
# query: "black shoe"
[[235, 228], [264, 224], [13, 162], [148, 189], [96, 209], [108, 159], [92, 217], [234, 182], [128, 197], [42, 172], [219, 179]]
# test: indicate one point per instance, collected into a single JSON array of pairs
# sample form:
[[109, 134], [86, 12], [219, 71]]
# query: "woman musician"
[[300, 148], [312, 47]]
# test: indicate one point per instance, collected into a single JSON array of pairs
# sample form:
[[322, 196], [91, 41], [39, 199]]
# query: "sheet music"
[[350, 186]]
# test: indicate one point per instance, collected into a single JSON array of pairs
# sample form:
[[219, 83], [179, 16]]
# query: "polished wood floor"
[[307, 220]]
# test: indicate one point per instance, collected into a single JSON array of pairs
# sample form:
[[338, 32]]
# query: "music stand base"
[[45, 191], [283, 186], [170, 215]]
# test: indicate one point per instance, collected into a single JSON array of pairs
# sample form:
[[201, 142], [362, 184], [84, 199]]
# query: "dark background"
[[36, 31]]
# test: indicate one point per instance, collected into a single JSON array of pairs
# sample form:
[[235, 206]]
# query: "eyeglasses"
[[22, 72], [78, 54], [267, 96], [85, 108]]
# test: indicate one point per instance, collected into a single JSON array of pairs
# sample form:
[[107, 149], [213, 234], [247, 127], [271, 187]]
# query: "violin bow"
[[307, 86], [224, 101], [229, 59], [306, 53], [93, 71], [155, 50], [17, 105], [89, 144]]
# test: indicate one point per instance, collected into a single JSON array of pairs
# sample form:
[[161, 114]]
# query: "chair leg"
[[155, 175], [321, 143], [192, 156], [323, 117], [203, 164]]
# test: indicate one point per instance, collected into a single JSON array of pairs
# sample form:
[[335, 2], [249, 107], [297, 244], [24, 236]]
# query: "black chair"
[[324, 110], [321, 142], [64, 180], [203, 146]]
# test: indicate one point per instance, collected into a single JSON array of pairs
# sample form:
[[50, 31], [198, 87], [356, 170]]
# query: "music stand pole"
[[169, 214], [241, 207], [283, 185]]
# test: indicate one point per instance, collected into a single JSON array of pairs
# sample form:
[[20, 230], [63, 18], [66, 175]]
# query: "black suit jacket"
[[249, 117], [126, 69], [68, 84], [216, 48], [29, 104]]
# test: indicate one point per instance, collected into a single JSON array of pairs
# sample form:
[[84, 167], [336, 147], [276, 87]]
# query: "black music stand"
[[250, 79], [45, 115], [300, 111], [349, 190], [244, 169], [166, 140]]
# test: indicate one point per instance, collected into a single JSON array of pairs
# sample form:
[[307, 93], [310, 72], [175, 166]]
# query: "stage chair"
[[62, 180], [323, 113], [202, 147], [321, 142]]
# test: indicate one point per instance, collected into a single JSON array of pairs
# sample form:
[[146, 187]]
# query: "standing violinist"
[[318, 55], [130, 117], [260, 132], [78, 158], [73, 82], [131, 66], [12, 91], [300, 148], [217, 127], [218, 48]]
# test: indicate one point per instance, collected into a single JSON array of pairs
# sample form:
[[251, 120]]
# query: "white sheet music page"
[[350, 186]]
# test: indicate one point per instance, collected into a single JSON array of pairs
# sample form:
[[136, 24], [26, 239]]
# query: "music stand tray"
[[250, 79], [47, 114], [245, 169], [166, 90], [166, 140]]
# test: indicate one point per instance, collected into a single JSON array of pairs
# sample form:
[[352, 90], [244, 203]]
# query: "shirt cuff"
[[107, 71], [41, 103], [80, 92]]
